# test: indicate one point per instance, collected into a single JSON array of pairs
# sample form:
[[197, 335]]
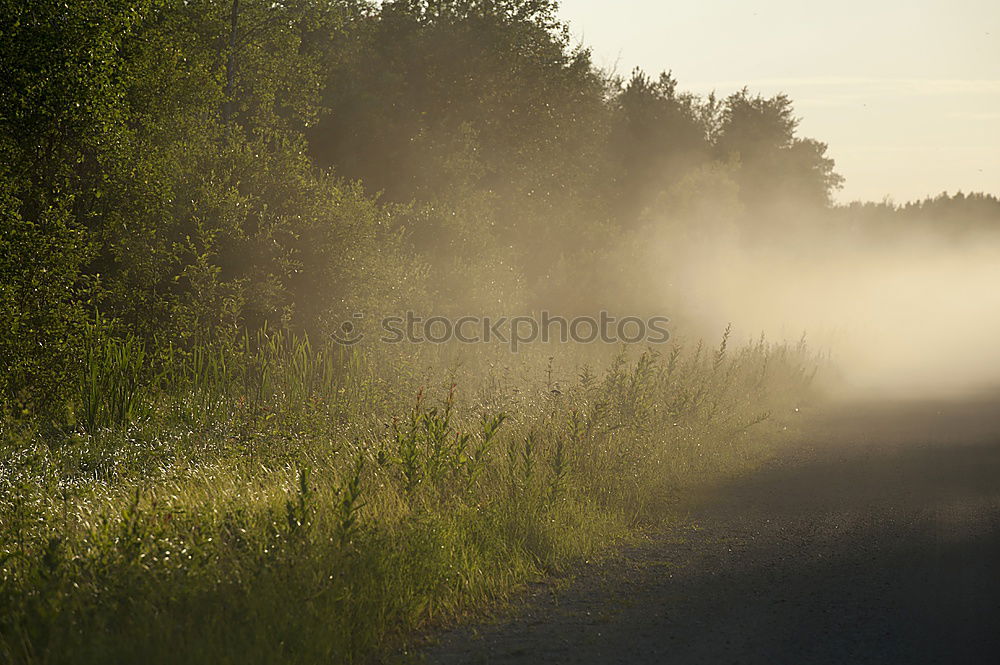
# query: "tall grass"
[[274, 500], [111, 382]]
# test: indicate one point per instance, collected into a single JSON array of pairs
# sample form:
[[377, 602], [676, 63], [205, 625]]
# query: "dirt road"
[[877, 540]]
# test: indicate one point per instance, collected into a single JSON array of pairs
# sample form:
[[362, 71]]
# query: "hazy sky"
[[906, 93]]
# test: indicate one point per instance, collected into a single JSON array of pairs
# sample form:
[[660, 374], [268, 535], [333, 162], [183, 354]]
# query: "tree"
[[657, 136], [777, 168], [59, 109], [478, 109]]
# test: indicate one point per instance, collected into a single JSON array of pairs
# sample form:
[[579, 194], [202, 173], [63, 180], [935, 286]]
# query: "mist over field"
[[252, 405]]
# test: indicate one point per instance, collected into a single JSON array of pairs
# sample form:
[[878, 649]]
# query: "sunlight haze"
[[906, 94]]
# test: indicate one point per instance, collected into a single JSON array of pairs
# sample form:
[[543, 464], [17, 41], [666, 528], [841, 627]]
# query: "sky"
[[905, 93]]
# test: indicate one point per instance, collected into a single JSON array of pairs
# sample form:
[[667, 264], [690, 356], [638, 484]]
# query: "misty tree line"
[[182, 170]]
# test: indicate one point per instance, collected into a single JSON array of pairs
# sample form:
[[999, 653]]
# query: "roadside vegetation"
[[282, 503]]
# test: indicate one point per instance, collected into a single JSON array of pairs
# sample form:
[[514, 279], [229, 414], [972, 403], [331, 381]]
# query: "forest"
[[197, 197]]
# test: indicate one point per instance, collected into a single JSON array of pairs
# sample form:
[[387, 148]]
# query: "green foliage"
[[42, 301], [111, 390], [159, 160], [427, 449], [349, 505], [311, 531]]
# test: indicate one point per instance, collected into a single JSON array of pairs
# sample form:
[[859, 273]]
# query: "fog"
[[910, 315]]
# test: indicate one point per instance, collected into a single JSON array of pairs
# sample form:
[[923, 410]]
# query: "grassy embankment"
[[283, 503]]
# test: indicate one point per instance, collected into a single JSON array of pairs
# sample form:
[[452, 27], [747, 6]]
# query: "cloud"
[[866, 86]]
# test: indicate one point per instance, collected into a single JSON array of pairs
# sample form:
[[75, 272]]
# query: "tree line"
[[183, 170]]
